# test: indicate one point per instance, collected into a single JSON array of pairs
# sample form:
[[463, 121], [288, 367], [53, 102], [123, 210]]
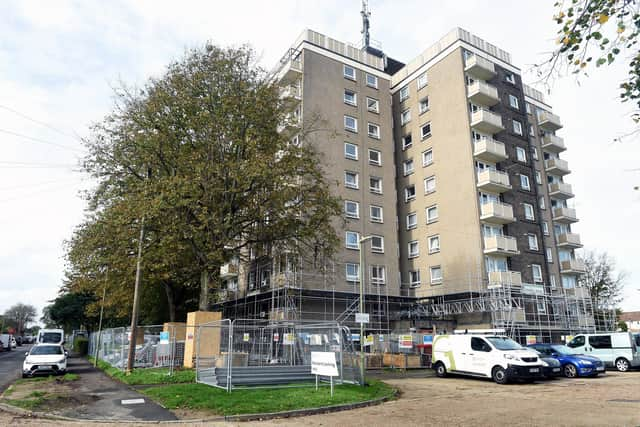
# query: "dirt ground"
[[611, 400]]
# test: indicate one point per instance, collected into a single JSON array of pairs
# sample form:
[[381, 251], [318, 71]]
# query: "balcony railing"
[[289, 69], [496, 212], [482, 93], [490, 150], [494, 181], [480, 67], [569, 240], [553, 143], [560, 190], [533, 288], [486, 121], [572, 266], [228, 270], [565, 215], [504, 278], [500, 245], [549, 121], [557, 166]]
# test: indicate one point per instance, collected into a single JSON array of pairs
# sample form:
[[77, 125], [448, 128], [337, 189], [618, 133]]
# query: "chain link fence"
[[399, 350]]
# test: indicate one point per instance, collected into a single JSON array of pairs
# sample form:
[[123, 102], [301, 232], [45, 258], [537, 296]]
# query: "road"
[[11, 365]]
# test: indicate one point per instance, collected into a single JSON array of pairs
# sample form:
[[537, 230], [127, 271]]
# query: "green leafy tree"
[[605, 286], [20, 315], [67, 311]]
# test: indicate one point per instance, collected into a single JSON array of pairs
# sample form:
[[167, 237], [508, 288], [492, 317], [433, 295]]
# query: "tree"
[[67, 311], [605, 286], [22, 315]]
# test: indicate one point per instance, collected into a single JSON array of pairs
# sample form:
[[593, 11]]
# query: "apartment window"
[[412, 221], [531, 131], [377, 244], [510, 77], [423, 105], [513, 102], [528, 212], [542, 308], [409, 192], [528, 107], [352, 240], [406, 141], [425, 131], [372, 81], [436, 275], [378, 275], [350, 151], [352, 272], [375, 185], [538, 178], [542, 203], [414, 249], [517, 127], [549, 254], [536, 271], [434, 244], [351, 123], [427, 157], [414, 278], [533, 241], [351, 209], [404, 93], [552, 280], [521, 154], [405, 117], [350, 97], [524, 182], [375, 213], [375, 157], [373, 105], [351, 179], [534, 153], [429, 185], [408, 167], [373, 130], [349, 72], [432, 214], [545, 228]]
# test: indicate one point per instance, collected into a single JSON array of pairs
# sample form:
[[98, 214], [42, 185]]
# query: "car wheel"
[[570, 371], [622, 364], [441, 370], [499, 375]]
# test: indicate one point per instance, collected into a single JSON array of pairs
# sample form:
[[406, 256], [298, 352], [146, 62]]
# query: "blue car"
[[573, 365]]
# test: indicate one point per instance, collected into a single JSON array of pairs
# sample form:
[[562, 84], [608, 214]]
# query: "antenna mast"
[[365, 13]]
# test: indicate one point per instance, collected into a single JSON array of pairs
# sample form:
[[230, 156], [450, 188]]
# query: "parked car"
[[573, 364], [8, 342], [551, 367], [615, 349], [45, 359], [50, 336], [19, 341]]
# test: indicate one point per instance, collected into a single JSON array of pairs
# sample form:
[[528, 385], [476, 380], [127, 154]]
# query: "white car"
[[45, 359]]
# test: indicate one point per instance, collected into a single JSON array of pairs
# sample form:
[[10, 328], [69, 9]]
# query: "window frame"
[[536, 278], [378, 281], [414, 283], [346, 240], [371, 161], [406, 171], [404, 93], [407, 197], [353, 103], [416, 244], [379, 220], [526, 178], [536, 246], [346, 272], [429, 150], [376, 134], [431, 220], [431, 178], [517, 102], [356, 215], [373, 83], [377, 249], [510, 77], [431, 239], [414, 224], [353, 77], [421, 103], [521, 154], [350, 156], [376, 103], [375, 190], [437, 280], [424, 136], [549, 255], [406, 146], [517, 127], [529, 211], [355, 186], [355, 121], [405, 117], [420, 82]]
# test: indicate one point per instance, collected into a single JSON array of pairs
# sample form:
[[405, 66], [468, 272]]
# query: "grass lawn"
[[252, 401], [148, 375]]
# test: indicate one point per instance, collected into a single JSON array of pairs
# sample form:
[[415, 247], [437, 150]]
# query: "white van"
[[50, 336], [490, 356], [616, 349], [8, 342]]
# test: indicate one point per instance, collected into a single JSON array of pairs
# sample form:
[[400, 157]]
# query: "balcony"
[[291, 94], [560, 190], [565, 215], [480, 68], [503, 278], [549, 121], [290, 69], [568, 240], [228, 271], [553, 143], [482, 93], [557, 166], [486, 121], [579, 292], [500, 245], [572, 266], [490, 150], [226, 294], [493, 181], [497, 213]]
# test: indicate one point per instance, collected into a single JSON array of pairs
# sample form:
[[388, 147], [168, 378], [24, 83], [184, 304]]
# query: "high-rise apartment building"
[[451, 167]]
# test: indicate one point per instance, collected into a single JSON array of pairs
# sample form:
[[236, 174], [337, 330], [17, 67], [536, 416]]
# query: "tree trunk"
[[205, 280], [171, 303]]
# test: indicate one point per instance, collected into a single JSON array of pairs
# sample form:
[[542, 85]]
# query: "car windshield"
[[46, 349], [54, 337], [562, 350], [504, 343]]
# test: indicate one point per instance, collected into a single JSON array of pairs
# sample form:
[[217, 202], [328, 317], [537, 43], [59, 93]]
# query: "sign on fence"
[[324, 363], [245, 337], [362, 317], [427, 339], [164, 337], [276, 337], [289, 339], [531, 339], [405, 341], [368, 340]]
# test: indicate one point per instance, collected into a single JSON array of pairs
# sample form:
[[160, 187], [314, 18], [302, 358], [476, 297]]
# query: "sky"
[[59, 63]]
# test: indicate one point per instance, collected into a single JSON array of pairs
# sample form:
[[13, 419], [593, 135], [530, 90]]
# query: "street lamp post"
[[360, 248]]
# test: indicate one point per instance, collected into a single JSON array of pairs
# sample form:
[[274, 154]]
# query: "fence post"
[[230, 356], [197, 352]]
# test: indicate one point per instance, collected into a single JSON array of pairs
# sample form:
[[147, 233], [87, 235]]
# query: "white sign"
[[324, 363], [362, 317], [289, 339]]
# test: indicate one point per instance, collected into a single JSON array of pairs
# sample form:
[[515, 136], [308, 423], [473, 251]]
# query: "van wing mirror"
[[26, 353]]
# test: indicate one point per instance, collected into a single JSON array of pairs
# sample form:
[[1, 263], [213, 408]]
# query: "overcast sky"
[[60, 59]]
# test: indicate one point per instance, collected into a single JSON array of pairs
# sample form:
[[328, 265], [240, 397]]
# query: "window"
[[425, 131], [375, 157], [414, 249], [524, 182], [414, 278], [349, 72], [528, 107], [432, 214], [478, 344], [427, 157], [541, 307], [600, 341], [352, 240], [375, 185], [549, 254], [536, 271], [351, 209], [375, 213], [405, 117], [351, 123], [412, 221], [377, 244], [542, 203], [510, 77], [373, 130], [436, 275], [521, 154], [513, 102], [528, 212], [533, 241], [422, 80], [552, 278], [350, 97], [406, 142], [373, 105], [404, 93], [351, 179], [352, 272], [372, 81], [531, 131], [545, 228], [517, 127], [350, 151], [534, 153], [576, 342], [409, 192], [434, 244], [423, 106], [378, 275], [408, 167], [429, 185], [538, 178]]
